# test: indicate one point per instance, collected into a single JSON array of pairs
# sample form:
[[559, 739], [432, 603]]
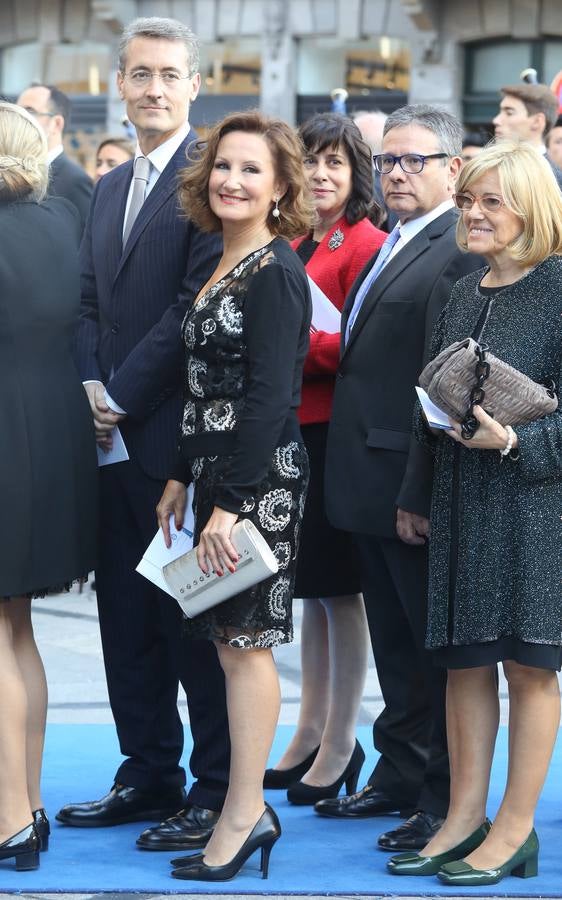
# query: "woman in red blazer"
[[324, 753]]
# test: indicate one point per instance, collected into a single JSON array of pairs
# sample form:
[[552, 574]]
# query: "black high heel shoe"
[[308, 794], [276, 779], [24, 846], [42, 827], [262, 837], [180, 861]]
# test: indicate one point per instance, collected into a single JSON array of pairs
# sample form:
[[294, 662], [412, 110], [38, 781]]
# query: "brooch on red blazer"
[[336, 239]]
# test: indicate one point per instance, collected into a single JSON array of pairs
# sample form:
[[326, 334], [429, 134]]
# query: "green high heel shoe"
[[524, 864], [414, 864]]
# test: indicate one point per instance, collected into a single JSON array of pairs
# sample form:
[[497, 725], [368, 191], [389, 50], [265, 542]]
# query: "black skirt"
[[471, 656], [327, 564]]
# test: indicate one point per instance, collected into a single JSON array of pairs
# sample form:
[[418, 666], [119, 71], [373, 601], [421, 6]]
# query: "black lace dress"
[[246, 339]]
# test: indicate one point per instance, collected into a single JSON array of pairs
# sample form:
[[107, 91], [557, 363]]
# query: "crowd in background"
[[177, 302]]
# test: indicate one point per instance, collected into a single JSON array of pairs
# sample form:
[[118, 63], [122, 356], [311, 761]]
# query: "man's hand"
[[104, 419], [411, 528], [173, 501]]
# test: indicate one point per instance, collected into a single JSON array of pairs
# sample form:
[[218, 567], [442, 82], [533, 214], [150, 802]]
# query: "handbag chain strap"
[[470, 424]]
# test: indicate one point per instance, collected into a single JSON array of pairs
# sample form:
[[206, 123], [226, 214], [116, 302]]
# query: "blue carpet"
[[314, 856]]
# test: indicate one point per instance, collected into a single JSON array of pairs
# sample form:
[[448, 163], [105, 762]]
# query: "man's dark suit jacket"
[[556, 170], [373, 464], [133, 304], [66, 179]]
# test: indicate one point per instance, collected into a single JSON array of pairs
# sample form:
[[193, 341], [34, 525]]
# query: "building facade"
[[288, 55]]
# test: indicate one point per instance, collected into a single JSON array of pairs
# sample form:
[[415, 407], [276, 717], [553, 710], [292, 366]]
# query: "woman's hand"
[[215, 549], [490, 435], [173, 500]]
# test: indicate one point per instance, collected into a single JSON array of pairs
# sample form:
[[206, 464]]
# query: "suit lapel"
[[164, 187], [118, 192], [350, 299], [393, 269]]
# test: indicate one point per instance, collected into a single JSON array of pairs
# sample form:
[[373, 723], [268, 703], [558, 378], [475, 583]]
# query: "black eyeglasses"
[[410, 163]]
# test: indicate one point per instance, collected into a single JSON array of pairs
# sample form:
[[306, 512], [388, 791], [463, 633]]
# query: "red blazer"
[[334, 271]]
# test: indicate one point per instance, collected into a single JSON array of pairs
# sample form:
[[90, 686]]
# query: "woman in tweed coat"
[[496, 534]]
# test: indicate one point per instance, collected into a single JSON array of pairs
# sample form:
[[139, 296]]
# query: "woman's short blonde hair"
[[529, 189], [23, 155], [295, 206]]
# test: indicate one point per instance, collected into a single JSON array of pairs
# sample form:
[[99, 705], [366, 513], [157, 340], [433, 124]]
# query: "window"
[[490, 65]]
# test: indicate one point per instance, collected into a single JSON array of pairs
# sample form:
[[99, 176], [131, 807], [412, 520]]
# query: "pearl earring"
[[275, 212]]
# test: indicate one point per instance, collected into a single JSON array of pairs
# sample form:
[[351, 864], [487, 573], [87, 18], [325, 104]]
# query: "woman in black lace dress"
[[246, 338]]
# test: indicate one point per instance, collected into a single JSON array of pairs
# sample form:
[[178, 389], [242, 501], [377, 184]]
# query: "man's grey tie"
[[379, 264], [140, 181]]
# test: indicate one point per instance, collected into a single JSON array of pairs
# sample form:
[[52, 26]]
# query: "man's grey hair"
[[156, 27], [446, 127]]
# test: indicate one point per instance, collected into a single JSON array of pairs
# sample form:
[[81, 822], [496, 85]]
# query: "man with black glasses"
[[378, 479]]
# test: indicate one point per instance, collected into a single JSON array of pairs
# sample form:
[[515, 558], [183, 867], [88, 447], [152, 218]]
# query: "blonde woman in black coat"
[[47, 460]]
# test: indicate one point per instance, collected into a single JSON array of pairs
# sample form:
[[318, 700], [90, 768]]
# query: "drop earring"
[[275, 211]]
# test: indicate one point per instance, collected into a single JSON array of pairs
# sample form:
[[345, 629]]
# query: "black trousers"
[[145, 654], [410, 733]]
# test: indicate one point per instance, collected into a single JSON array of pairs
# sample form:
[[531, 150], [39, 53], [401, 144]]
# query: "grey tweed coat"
[[496, 526]]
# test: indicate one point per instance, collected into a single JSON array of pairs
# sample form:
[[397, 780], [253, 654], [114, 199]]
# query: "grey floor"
[[66, 629]]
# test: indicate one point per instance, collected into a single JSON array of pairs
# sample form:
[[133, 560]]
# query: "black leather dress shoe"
[[413, 834], [190, 829], [362, 805], [123, 804], [24, 848], [42, 827]]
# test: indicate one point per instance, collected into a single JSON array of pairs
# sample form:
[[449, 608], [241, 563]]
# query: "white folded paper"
[[325, 316], [157, 555], [118, 452], [436, 418]]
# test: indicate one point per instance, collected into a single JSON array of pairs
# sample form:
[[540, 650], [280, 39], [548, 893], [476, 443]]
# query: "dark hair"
[[475, 139], [537, 98], [121, 142], [334, 130], [59, 103], [295, 207]]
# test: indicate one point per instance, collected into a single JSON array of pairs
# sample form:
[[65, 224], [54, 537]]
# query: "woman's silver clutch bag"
[[196, 592]]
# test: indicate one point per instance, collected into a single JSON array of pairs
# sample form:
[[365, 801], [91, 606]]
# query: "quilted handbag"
[[466, 373]]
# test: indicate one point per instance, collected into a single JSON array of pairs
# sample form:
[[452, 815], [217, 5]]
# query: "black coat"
[[48, 466], [373, 464], [508, 557], [68, 180]]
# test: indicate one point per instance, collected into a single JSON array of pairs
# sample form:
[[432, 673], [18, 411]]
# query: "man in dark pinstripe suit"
[[135, 291]]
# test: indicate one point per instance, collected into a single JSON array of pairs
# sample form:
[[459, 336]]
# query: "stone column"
[[278, 63], [435, 72], [115, 106]]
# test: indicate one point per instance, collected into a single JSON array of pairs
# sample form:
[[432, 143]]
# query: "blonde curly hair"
[[23, 155]]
